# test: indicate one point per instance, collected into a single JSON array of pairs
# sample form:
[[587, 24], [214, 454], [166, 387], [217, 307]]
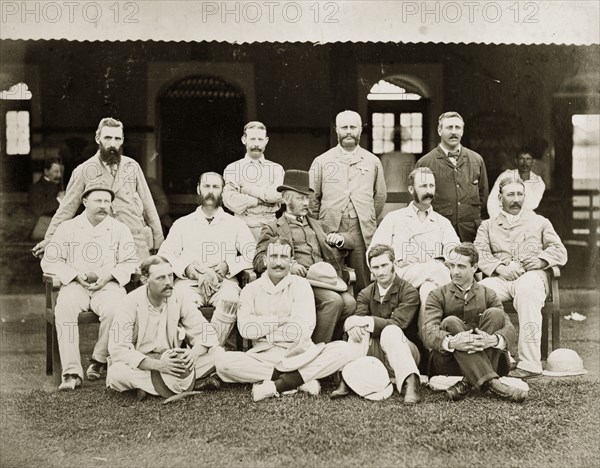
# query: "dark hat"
[[296, 180], [98, 186]]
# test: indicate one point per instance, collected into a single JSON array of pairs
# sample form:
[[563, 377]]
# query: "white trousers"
[[71, 301], [425, 277], [121, 377], [252, 366], [397, 352], [528, 293], [222, 320]]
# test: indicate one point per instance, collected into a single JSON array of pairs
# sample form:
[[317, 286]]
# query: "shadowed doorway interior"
[[201, 123]]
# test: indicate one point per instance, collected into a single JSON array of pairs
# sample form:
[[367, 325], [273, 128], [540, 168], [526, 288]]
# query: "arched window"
[[397, 109]]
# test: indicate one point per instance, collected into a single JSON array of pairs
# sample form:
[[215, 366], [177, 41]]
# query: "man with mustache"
[[132, 203], [250, 183], [145, 345], [461, 178], [349, 191], [516, 247], [312, 243], [534, 185], [207, 249], [277, 312], [420, 237], [93, 256]]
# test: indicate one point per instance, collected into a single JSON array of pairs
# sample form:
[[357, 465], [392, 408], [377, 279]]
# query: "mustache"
[[515, 204], [168, 288], [255, 148]]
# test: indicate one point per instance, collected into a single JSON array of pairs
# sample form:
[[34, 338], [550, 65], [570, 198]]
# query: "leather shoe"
[[340, 392], [208, 384], [412, 393], [506, 392], [523, 374], [459, 390]]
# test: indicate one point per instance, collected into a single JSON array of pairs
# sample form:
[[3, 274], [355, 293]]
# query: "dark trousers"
[[357, 258], [477, 368], [333, 308]]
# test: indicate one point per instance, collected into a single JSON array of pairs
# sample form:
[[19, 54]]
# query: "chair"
[[52, 286], [550, 312]]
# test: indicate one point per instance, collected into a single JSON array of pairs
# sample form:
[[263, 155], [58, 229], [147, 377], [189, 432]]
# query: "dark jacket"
[[450, 300], [460, 191], [400, 306], [42, 197], [281, 228]]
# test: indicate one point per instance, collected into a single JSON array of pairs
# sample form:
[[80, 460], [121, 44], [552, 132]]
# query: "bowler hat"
[[368, 377], [98, 186], [323, 275], [564, 362], [296, 180]]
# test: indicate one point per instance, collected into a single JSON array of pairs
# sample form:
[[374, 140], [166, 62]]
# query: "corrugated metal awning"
[[444, 22]]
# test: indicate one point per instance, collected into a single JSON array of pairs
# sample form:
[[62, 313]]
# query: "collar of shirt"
[[271, 288], [466, 290], [46, 179], [428, 210], [260, 160], [202, 216], [343, 152], [512, 219], [294, 219], [458, 148], [383, 291], [85, 222]]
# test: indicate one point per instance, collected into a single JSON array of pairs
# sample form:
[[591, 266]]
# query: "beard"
[[110, 155], [216, 199]]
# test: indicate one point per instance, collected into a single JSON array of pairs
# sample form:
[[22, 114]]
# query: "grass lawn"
[[559, 425]]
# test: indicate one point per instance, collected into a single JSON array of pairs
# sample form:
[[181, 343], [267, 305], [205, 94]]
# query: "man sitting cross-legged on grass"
[[148, 330], [468, 331], [385, 324], [277, 312]]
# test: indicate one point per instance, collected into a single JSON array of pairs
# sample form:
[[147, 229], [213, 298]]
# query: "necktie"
[[422, 215], [210, 219], [300, 219], [113, 170], [453, 156]]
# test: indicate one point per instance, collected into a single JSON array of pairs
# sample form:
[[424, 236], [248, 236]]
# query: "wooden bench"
[[52, 286]]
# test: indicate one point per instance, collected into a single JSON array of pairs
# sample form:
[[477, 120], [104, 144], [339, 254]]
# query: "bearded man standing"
[[132, 204]]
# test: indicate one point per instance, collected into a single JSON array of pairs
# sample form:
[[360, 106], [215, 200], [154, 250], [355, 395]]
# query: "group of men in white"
[[337, 295]]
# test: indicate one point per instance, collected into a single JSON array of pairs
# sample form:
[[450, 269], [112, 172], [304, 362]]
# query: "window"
[[17, 132], [396, 110]]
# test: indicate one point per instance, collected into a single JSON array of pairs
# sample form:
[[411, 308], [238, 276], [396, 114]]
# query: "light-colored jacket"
[[132, 205], [276, 315], [192, 239], [414, 241], [78, 247], [130, 322], [499, 242], [534, 191], [251, 189], [337, 179]]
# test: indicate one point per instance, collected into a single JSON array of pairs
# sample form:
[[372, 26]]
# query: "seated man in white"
[[147, 334], [420, 237], [385, 325], [277, 312], [93, 256], [515, 249], [534, 185], [207, 249]]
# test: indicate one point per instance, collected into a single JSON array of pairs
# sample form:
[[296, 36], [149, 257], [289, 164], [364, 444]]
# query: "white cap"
[[368, 377], [564, 362]]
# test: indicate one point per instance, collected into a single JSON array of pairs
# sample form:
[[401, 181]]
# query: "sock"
[[288, 381]]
